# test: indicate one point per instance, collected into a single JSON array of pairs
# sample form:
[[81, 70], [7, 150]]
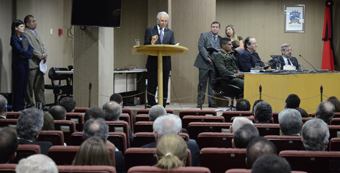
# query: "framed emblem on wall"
[[294, 18]]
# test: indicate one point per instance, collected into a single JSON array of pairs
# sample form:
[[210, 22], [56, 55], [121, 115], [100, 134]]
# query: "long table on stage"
[[277, 86]]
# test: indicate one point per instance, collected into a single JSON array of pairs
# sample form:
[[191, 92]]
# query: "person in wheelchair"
[[226, 69]]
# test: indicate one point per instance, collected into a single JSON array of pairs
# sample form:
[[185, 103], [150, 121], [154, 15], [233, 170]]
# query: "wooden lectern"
[[159, 50]]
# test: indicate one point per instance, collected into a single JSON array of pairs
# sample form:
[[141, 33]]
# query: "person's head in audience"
[[250, 44], [167, 124], [37, 163], [171, 152], [117, 98], [263, 112], [29, 124], [93, 152], [292, 101], [243, 105], [68, 103], [58, 112], [258, 147], [255, 103], [271, 163], [8, 144], [290, 121], [96, 127], [112, 111], [325, 111], [3, 106], [238, 122], [315, 135], [335, 101], [302, 112], [48, 122], [94, 112], [243, 136], [156, 111]]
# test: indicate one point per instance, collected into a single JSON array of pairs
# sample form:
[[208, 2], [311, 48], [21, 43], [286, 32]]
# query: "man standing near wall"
[[36, 83], [208, 46]]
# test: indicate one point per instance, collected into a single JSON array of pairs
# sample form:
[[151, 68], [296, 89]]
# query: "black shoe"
[[213, 106]]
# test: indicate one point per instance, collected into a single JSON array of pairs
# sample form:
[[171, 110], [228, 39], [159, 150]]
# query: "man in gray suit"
[[208, 46], [36, 81]]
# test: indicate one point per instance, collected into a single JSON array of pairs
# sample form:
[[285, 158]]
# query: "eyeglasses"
[[289, 50], [163, 21], [255, 43]]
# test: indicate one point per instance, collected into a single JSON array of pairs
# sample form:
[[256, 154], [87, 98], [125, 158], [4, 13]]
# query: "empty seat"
[[120, 126], [313, 161], [268, 129], [222, 159], [12, 115], [182, 113], [334, 144], [335, 121], [286, 142], [142, 117], [143, 126], [67, 127], [214, 139], [129, 111], [192, 118], [86, 169], [24, 151], [334, 131], [126, 118], [8, 168], [146, 111], [138, 169], [143, 138], [56, 137], [81, 109], [229, 114], [77, 118], [8, 122], [196, 128]]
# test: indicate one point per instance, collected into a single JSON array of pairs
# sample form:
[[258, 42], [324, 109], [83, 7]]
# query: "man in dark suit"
[[249, 57], [173, 124], [158, 34], [3, 107], [286, 58], [208, 46]]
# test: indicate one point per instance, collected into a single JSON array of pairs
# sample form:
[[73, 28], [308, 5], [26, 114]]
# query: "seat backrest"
[[64, 155], [78, 119], [196, 128], [335, 121], [144, 157], [24, 151], [143, 126], [268, 129], [312, 161], [12, 115], [286, 142], [56, 137], [334, 144], [76, 139], [214, 139], [129, 111], [86, 169], [67, 127], [142, 117], [8, 168], [146, 111], [8, 122], [193, 118], [126, 118], [81, 109], [238, 171], [182, 113], [229, 114], [143, 138], [120, 126], [223, 158], [334, 131], [276, 117], [188, 169]]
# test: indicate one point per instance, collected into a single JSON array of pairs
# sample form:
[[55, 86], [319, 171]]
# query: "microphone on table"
[[310, 71]]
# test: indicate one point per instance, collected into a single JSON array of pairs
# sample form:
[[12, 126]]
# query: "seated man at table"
[[286, 58], [248, 58]]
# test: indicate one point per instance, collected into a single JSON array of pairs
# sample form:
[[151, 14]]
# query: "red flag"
[[327, 54]]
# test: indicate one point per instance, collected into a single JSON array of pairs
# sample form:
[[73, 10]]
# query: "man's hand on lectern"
[[154, 39]]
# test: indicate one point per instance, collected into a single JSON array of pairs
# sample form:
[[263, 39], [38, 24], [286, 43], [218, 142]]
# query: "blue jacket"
[[18, 50]]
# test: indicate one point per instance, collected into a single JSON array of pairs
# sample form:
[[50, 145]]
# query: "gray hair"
[[325, 111], [37, 163], [3, 104], [112, 111], [290, 121], [244, 135], [263, 111], [238, 122], [162, 13], [30, 122], [167, 124], [283, 47], [57, 112], [315, 135], [96, 127], [156, 111]]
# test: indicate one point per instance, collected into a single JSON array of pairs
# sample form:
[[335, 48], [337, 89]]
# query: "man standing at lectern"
[[158, 34]]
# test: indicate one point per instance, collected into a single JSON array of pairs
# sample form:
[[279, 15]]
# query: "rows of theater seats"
[[211, 133]]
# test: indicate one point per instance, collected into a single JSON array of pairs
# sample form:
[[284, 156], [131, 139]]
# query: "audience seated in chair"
[[156, 111], [8, 144], [271, 163], [292, 101], [315, 135], [94, 112], [37, 163], [255, 103], [58, 112], [263, 112], [3, 107], [335, 101], [48, 122], [173, 124], [244, 135], [243, 105], [238, 122], [29, 124], [258, 147], [325, 111], [117, 98], [290, 121], [68, 103], [171, 152]]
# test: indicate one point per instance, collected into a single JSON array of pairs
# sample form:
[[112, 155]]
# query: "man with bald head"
[[258, 147], [325, 111], [238, 122]]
